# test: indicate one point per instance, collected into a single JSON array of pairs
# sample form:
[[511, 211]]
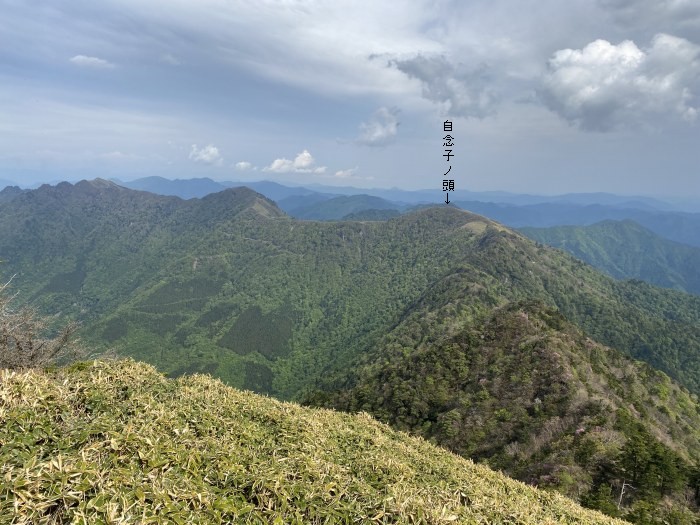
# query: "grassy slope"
[[626, 250], [115, 442]]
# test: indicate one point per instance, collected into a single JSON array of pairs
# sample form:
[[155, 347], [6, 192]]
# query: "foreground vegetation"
[[116, 442]]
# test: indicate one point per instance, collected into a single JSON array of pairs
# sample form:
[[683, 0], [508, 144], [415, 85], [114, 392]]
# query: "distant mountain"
[[277, 191], [273, 190], [10, 192], [605, 199], [676, 226], [183, 188], [115, 438], [626, 250], [337, 208], [198, 188], [300, 202], [501, 197], [514, 210]]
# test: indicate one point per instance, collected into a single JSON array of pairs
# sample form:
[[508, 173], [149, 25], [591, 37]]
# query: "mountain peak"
[[10, 192], [97, 184], [244, 199]]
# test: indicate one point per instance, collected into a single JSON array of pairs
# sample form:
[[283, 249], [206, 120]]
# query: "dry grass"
[[116, 442], [23, 341]]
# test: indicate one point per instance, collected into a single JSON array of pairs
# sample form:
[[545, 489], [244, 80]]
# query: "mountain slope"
[[626, 250], [229, 285], [528, 393], [338, 207], [116, 441], [372, 215]]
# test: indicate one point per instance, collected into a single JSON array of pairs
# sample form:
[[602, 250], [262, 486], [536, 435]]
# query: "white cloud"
[[208, 155], [302, 163], [380, 129], [463, 91], [243, 166], [85, 61], [346, 174], [350, 173], [605, 86]]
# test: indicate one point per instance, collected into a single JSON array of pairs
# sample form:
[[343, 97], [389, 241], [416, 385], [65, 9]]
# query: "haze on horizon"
[[546, 97]]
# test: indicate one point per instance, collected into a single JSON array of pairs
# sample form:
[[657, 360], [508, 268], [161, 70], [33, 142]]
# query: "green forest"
[[439, 322]]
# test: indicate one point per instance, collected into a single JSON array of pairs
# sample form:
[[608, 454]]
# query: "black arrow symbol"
[[447, 198]]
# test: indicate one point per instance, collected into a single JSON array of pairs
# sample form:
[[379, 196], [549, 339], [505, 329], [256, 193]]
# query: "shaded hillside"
[[626, 250], [110, 441], [296, 202], [526, 392], [337, 208], [230, 285], [372, 215]]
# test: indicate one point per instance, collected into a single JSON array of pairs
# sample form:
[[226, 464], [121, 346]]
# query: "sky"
[[545, 96]]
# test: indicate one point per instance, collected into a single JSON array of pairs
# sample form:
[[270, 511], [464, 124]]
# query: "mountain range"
[[187, 188], [676, 223], [439, 321]]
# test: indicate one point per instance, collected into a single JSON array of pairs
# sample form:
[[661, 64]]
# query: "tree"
[[23, 336]]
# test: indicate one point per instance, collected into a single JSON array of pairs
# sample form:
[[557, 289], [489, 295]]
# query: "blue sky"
[[546, 96]]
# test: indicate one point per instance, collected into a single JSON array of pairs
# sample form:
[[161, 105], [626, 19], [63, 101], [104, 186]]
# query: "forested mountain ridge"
[[528, 393], [626, 250], [337, 208], [230, 285], [82, 249]]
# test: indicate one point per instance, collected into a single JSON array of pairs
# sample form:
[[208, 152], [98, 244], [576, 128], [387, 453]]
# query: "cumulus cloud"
[[85, 61], [346, 174], [464, 91], [605, 86], [302, 163], [380, 129], [243, 166], [350, 173], [207, 155]]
